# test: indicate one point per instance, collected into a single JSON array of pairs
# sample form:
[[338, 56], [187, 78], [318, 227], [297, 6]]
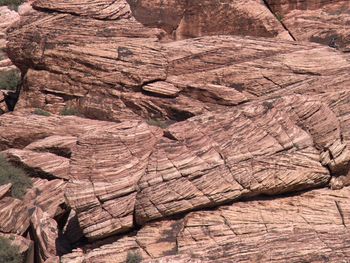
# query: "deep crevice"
[[279, 20]]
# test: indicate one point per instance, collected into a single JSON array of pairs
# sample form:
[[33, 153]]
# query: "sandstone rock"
[[45, 235], [193, 19], [15, 213], [19, 130], [307, 227], [108, 9], [274, 146], [4, 189], [105, 169], [46, 195], [256, 116], [71, 230], [14, 216], [25, 246], [45, 165], [7, 18], [210, 72], [59, 145], [317, 21]]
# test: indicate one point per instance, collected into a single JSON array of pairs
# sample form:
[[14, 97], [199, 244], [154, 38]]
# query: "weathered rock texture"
[[309, 227], [192, 105], [323, 22]]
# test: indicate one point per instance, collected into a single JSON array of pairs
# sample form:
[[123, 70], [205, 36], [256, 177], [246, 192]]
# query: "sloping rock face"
[[309, 227], [323, 22], [203, 128]]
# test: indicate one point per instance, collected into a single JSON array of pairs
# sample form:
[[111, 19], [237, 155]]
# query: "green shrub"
[[8, 252], [160, 123], [2, 55], [133, 257], [9, 80], [69, 111], [10, 174], [279, 17], [12, 4], [41, 112]]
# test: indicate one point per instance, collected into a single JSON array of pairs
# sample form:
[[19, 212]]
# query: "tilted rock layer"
[[200, 123]]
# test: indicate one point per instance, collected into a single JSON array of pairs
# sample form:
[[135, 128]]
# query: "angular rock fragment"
[[4, 189], [45, 235], [306, 227], [323, 22], [59, 145], [105, 169], [14, 217], [45, 165], [24, 245]]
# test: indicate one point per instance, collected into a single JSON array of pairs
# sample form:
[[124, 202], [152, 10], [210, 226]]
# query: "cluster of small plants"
[[10, 174], [160, 123], [133, 257], [9, 80], [12, 4], [69, 111], [8, 252], [41, 112]]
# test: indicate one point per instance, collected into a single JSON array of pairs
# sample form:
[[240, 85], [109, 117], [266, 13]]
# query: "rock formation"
[[199, 131]]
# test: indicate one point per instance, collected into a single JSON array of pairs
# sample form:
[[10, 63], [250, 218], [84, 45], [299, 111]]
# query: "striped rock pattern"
[[309, 227], [323, 22], [45, 165], [137, 173], [255, 117]]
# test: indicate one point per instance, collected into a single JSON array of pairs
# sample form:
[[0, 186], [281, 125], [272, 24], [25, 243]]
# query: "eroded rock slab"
[[269, 147], [324, 22], [308, 227], [45, 234], [45, 165]]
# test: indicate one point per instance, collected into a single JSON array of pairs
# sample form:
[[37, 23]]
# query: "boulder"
[[45, 235], [24, 245], [46, 165], [57, 144], [269, 147], [5, 189], [323, 22], [308, 227], [15, 213]]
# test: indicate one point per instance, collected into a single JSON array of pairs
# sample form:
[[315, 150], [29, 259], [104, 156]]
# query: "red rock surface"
[[203, 128], [309, 227]]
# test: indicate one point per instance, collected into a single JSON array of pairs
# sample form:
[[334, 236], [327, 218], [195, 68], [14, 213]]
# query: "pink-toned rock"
[[15, 213], [59, 145], [14, 217], [324, 22], [24, 245], [105, 169], [46, 165], [5, 189], [45, 235], [306, 227], [19, 130], [157, 176], [47, 195]]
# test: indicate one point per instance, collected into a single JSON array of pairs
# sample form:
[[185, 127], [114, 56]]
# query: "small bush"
[[133, 257], [68, 111], [8, 252], [41, 112], [10, 174], [160, 123], [12, 4], [2, 55], [9, 80], [279, 17]]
